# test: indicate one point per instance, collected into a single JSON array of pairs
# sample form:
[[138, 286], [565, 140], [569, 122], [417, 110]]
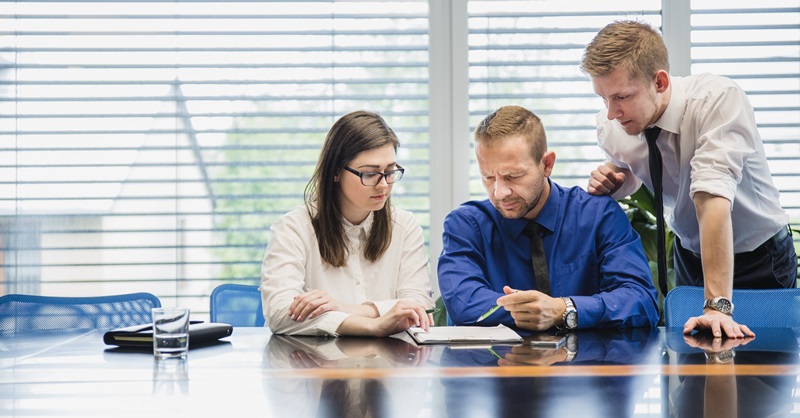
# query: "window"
[[527, 53], [758, 46], [149, 146]]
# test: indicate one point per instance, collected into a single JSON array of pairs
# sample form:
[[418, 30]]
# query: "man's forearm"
[[716, 243]]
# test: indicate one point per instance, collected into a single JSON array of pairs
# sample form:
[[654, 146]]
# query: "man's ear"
[[548, 161], [662, 81]]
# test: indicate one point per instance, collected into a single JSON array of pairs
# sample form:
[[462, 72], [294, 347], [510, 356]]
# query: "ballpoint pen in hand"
[[488, 313], [491, 311]]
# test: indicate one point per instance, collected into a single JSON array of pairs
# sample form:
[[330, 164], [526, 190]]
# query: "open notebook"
[[464, 334]]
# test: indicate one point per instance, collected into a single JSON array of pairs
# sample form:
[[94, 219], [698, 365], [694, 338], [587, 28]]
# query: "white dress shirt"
[[293, 265], [709, 143]]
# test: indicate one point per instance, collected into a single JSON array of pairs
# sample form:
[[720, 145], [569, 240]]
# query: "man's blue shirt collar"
[[546, 218]]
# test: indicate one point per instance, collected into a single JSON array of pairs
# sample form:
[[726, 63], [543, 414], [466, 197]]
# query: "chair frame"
[[756, 308], [24, 313], [247, 290]]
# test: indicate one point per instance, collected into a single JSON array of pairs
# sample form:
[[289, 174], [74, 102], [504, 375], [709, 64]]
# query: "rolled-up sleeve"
[[727, 140], [604, 132]]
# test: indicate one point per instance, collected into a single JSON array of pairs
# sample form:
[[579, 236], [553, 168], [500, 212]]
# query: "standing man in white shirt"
[[718, 195]]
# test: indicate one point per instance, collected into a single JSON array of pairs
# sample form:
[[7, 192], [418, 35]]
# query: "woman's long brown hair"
[[352, 134]]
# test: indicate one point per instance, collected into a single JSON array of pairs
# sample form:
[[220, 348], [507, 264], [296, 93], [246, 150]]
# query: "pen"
[[494, 353], [487, 313], [434, 310], [491, 311]]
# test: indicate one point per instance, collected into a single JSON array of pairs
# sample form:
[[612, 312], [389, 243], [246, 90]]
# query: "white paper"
[[464, 334]]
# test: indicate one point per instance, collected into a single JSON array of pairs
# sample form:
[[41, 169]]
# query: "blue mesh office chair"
[[773, 314], [22, 313], [757, 308], [237, 304]]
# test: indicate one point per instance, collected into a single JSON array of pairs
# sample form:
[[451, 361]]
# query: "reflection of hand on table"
[[405, 354], [303, 360], [525, 355], [397, 352], [718, 350], [720, 392]]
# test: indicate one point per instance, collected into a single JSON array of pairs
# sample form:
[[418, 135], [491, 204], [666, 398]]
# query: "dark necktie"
[[538, 261], [656, 170]]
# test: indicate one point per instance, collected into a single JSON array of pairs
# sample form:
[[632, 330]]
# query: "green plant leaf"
[[440, 316]]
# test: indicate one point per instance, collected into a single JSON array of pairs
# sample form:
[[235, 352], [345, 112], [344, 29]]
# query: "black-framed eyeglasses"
[[372, 178]]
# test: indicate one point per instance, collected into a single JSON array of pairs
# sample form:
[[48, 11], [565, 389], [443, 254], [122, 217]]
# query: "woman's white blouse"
[[292, 265]]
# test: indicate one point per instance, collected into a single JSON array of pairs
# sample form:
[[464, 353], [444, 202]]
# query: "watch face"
[[572, 319], [720, 304], [723, 305], [572, 342], [721, 357]]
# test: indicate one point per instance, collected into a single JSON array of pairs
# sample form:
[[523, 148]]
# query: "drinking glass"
[[170, 332]]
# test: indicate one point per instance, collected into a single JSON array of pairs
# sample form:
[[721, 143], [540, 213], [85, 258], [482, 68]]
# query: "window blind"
[[758, 46], [527, 54], [148, 146]]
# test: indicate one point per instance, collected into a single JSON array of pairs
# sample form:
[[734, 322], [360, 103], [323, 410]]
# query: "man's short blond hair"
[[629, 44], [511, 121]]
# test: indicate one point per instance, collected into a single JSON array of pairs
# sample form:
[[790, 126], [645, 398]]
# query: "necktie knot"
[[531, 229], [651, 133]]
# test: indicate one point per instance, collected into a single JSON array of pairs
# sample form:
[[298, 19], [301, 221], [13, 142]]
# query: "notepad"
[[142, 335], [464, 335]]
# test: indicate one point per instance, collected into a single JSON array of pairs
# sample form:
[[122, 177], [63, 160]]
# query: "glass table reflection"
[[630, 373], [756, 389]]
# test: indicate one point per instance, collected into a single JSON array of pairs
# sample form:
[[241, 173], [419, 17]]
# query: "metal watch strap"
[[570, 307]]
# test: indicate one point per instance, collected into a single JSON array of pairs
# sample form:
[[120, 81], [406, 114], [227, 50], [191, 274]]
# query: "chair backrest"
[[756, 308], [237, 304], [23, 313]]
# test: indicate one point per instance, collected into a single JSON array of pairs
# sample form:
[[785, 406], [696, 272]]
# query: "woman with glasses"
[[347, 262]]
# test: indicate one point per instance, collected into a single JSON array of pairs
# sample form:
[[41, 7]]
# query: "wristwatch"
[[570, 317], [721, 304], [723, 357], [571, 346]]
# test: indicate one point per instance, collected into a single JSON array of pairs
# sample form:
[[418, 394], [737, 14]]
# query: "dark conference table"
[[630, 373]]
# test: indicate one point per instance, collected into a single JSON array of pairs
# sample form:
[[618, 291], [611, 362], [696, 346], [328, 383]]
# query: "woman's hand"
[[403, 315], [312, 304], [316, 302]]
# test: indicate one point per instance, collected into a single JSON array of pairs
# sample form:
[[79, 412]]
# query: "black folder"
[[142, 335]]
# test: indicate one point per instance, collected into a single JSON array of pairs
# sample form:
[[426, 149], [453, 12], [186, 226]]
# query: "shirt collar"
[[362, 228], [546, 217]]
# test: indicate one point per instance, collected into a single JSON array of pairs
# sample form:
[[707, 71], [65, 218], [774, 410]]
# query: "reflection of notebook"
[[464, 334], [142, 335]]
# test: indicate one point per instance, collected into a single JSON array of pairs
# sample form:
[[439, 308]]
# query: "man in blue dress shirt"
[[598, 273]]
